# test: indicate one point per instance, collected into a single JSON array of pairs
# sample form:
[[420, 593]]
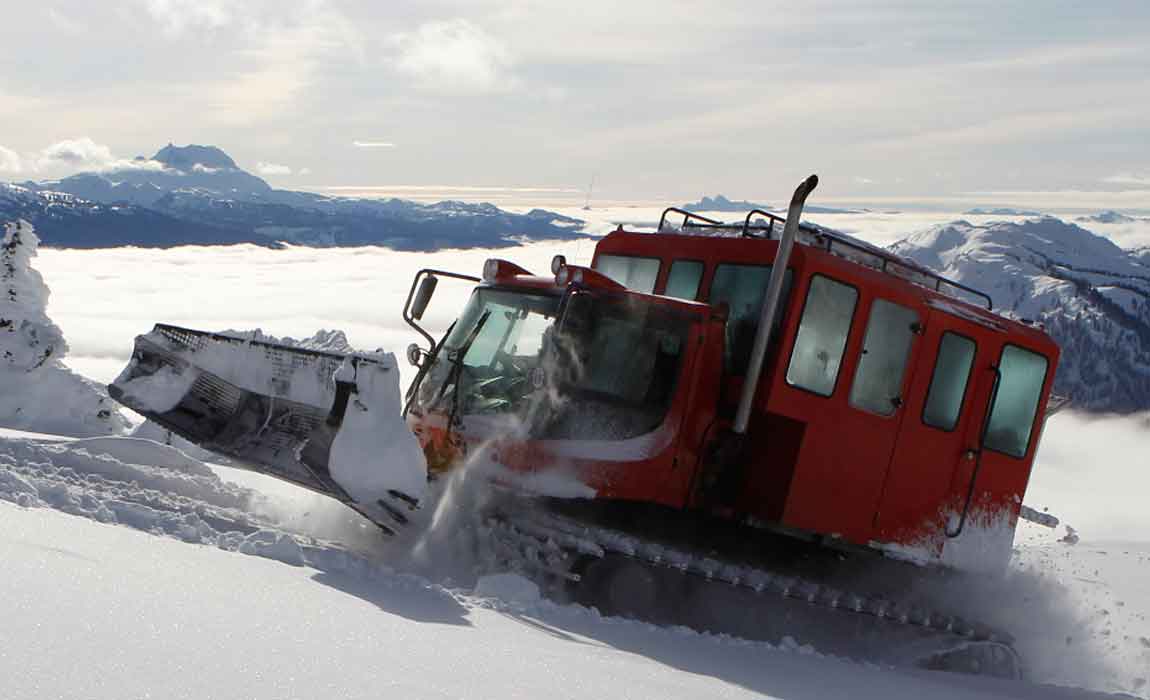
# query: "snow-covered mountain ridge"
[[199, 195], [1092, 296]]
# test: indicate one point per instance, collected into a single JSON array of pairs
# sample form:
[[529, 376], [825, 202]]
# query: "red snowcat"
[[766, 416]]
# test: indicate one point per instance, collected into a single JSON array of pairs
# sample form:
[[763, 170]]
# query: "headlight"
[[490, 270]]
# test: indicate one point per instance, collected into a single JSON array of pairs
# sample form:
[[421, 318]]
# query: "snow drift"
[[37, 391]]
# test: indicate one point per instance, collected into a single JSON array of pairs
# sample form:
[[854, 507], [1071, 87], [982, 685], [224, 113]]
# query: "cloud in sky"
[[10, 161], [455, 56], [84, 154], [273, 169], [177, 17], [373, 144], [1136, 179]]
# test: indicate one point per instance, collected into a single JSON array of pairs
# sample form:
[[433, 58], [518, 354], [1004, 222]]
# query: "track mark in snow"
[[156, 488]]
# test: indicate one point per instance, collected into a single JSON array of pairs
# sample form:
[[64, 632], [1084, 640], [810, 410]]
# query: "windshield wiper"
[[455, 357]]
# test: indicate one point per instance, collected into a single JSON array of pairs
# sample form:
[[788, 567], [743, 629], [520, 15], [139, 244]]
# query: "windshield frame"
[[665, 331]]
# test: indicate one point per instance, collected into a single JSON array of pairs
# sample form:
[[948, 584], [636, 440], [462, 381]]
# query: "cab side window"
[[1011, 424], [743, 288], [822, 336], [683, 279], [948, 383], [890, 334]]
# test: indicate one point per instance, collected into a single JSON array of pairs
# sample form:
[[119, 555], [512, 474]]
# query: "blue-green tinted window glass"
[[822, 336], [1012, 417], [742, 288], [683, 279], [638, 274], [890, 333], [948, 383]]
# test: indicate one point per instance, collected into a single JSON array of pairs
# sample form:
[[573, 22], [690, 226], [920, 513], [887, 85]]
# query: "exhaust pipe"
[[771, 303]]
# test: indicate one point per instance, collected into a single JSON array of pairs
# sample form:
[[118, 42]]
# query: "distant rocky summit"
[[1108, 217], [721, 203], [198, 195], [1000, 211], [1092, 296]]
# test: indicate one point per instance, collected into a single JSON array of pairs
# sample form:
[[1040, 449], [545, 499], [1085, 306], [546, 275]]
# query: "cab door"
[[937, 448], [851, 409]]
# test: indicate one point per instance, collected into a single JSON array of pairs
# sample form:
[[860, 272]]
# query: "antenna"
[[590, 188]]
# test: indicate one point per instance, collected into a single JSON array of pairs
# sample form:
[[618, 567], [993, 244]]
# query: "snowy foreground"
[[127, 576]]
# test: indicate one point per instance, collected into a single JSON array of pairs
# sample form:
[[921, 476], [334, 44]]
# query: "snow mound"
[[39, 392], [509, 588], [323, 340], [161, 391]]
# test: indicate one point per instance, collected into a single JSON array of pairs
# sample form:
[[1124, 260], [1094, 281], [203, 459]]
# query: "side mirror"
[[423, 296]]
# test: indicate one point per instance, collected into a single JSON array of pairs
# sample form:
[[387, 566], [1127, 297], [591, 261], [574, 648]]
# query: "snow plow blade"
[[272, 408]]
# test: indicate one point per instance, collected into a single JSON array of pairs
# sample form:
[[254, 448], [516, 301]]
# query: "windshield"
[[606, 371]]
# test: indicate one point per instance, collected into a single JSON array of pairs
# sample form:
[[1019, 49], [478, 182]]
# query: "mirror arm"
[[407, 315]]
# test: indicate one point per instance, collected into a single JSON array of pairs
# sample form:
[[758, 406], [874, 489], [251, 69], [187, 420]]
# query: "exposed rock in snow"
[[1092, 296], [39, 393]]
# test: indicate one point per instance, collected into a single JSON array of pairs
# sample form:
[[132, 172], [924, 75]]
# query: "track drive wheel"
[[620, 587]]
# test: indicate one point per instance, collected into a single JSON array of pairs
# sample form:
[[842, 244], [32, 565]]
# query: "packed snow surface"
[[163, 605]]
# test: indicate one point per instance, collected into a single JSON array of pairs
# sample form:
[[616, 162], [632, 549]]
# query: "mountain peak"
[[186, 158]]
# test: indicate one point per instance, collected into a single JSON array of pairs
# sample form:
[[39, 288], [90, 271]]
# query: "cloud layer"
[[895, 100]]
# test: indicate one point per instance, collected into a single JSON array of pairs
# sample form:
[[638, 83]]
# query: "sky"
[[980, 102]]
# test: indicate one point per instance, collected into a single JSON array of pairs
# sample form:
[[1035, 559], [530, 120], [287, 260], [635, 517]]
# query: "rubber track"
[[550, 541]]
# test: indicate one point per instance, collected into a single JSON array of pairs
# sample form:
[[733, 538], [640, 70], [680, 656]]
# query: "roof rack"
[[887, 262], [693, 220]]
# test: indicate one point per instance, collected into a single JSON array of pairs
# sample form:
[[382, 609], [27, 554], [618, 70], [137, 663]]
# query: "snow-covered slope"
[[71, 221], [37, 392], [165, 606], [1091, 295]]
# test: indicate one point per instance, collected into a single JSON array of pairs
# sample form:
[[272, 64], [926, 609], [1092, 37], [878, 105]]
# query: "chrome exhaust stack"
[[771, 303]]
